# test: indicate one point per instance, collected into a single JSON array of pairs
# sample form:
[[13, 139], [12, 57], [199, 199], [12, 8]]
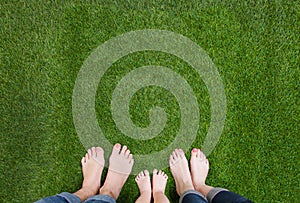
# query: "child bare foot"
[[92, 167], [180, 171], [144, 184], [159, 185], [120, 165]]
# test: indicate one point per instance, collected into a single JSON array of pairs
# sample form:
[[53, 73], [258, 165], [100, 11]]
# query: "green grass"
[[255, 46]]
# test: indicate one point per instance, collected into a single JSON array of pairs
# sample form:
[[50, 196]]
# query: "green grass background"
[[254, 44]]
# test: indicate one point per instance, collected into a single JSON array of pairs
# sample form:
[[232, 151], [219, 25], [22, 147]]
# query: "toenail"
[[195, 150]]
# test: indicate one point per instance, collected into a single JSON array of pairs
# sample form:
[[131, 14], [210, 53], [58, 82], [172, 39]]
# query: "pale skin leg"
[[180, 171], [199, 171], [92, 167], [159, 185], [120, 166], [144, 184]]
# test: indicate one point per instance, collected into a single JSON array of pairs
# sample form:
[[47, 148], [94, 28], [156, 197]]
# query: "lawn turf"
[[254, 44]]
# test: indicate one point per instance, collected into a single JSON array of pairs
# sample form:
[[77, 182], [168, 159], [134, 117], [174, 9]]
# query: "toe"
[[146, 172], [99, 152], [140, 175], [194, 152], [174, 155], [89, 153], [155, 171], [204, 156], [93, 152], [201, 155], [198, 153], [131, 160], [124, 148], [83, 160], [116, 149], [207, 162], [127, 152], [171, 160], [159, 172]]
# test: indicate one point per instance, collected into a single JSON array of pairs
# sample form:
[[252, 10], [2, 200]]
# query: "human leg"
[[184, 185], [144, 184], [180, 171], [92, 167], [120, 166], [159, 182], [199, 171]]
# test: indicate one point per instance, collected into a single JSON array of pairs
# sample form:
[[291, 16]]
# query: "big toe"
[[116, 149], [194, 153], [146, 172], [93, 152], [99, 151], [100, 155]]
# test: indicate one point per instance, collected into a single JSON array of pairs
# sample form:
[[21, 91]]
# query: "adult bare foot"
[[92, 167], [120, 166], [159, 183], [144, 184], [180, 171], [199, 171]]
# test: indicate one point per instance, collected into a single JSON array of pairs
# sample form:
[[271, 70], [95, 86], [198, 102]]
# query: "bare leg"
[[180, 171], [92, 167], [144, 184], [159, 186], [120, 165], [199, 171]]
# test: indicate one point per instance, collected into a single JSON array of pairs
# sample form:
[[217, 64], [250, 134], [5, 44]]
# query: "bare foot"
[[199, 171], [144, 184], [199, 168], [92, 167], [120, 165], [159, 183], [180, 171]]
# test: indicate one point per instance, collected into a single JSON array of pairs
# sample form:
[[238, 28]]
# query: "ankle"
[[88, 189], [158, 193], [204, 189], [146, 196], [145, 193], [108, 192], [188, 187], [84, 193], [199, 186]]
